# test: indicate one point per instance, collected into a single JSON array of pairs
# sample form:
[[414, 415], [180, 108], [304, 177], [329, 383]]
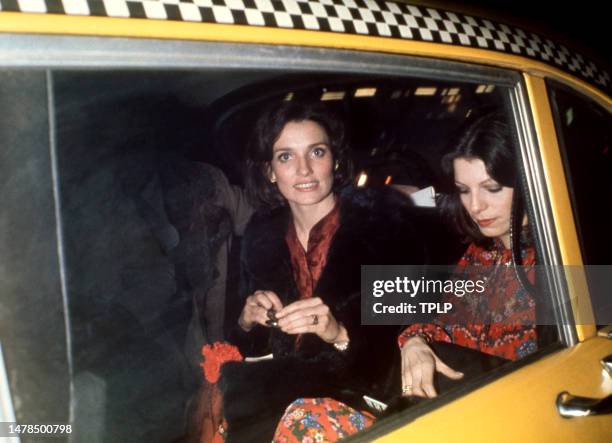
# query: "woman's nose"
[[476, 203], [304, 167]]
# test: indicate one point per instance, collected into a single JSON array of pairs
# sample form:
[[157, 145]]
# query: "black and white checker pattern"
[[365, 17]]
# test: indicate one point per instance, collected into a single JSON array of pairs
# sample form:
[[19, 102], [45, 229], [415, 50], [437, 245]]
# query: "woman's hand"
[[311, 316], [418, 365], [255, 311]]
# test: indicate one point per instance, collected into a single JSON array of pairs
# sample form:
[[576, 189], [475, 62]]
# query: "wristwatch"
[[341, 345]]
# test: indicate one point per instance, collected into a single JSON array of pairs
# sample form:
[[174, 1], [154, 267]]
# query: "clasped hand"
[[310, 315]]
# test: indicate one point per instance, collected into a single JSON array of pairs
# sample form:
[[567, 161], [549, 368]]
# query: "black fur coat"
[[375, 228]]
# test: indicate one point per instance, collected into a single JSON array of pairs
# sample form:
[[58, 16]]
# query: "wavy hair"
[[267, 131], [487, 138]]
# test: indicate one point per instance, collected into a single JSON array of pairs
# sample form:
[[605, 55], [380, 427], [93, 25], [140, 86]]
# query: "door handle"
[[606, 362], [570, 406]]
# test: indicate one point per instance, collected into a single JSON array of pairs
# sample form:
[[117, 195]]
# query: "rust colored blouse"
[[308, 265]]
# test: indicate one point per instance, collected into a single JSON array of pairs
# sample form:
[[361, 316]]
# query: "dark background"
[[582, 26]]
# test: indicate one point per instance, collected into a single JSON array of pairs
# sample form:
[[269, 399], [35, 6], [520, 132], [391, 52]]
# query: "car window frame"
[[22, 52]]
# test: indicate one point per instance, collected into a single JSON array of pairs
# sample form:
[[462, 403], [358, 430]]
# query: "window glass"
[[152, 207], [584, 129]]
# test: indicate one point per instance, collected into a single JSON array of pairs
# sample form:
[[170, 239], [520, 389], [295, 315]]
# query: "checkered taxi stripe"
[[363, 17]]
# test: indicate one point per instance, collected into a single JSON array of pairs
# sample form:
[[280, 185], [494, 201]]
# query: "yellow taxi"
[[96, 330]]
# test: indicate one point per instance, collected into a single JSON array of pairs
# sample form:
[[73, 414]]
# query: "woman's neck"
[[305, 217], [505, 239]]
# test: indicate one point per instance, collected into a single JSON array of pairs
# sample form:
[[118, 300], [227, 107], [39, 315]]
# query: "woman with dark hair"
[[480, 175], [301, 273]]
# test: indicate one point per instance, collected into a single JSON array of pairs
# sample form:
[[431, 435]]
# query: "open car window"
[[130, 151]]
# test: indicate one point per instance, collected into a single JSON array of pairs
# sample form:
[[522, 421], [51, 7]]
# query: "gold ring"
[[406, 389], [315, 319]]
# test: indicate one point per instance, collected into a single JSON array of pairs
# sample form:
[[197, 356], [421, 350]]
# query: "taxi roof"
[[394, 20]]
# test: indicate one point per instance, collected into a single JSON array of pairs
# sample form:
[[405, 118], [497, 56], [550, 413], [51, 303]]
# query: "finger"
[[268, 300], [276, 302], [259, 300], [299, 305], [406, 374], [423, 374], [305, 329], [305, 316], [427, 383], [416, 374], [447, 371], [260, 316]]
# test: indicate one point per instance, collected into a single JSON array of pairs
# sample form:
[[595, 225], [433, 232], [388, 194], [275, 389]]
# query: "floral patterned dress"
[[500, 321], [320, 420]]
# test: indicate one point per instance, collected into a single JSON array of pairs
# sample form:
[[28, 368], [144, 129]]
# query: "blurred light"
[[451, 99], [289, 97], [388, 180], [467, 114], [396, 94], [485, 89], [332, 95], [452, 108], [365, 92], [373, 152], [569, 116], [453, 91], [444, 91], [423, 90], [361, 181]]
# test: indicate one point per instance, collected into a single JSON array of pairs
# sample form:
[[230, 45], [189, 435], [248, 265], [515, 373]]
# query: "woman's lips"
[[485, 222], [305, 187]]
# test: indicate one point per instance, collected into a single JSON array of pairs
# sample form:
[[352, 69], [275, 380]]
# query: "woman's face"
[[302, 164], [486, 201]]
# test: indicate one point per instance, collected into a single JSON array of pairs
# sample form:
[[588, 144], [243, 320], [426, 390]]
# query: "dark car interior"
[[127, 146]]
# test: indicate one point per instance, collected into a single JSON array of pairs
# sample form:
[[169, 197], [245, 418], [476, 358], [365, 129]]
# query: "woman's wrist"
[[341, 340], [246, 327], [416, 340]]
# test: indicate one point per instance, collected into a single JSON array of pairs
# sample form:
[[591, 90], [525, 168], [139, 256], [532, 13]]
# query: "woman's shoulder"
[[266, 228]]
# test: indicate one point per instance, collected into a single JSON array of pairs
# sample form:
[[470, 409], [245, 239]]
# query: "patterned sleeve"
[[429, 331], [436, 331]]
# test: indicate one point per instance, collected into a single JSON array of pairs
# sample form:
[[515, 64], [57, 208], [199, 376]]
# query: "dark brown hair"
[[487, 138], [266, 132]]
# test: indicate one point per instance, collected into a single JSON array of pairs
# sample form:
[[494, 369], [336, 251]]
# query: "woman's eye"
[[283, 157], [319, 152], [461, 190], [495, 189]]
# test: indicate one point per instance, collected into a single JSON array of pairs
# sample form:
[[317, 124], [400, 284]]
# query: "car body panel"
[[567, 236], [521, 405]]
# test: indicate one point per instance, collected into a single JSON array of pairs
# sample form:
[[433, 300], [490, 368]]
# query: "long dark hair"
[[487, 138], [266, 132]]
